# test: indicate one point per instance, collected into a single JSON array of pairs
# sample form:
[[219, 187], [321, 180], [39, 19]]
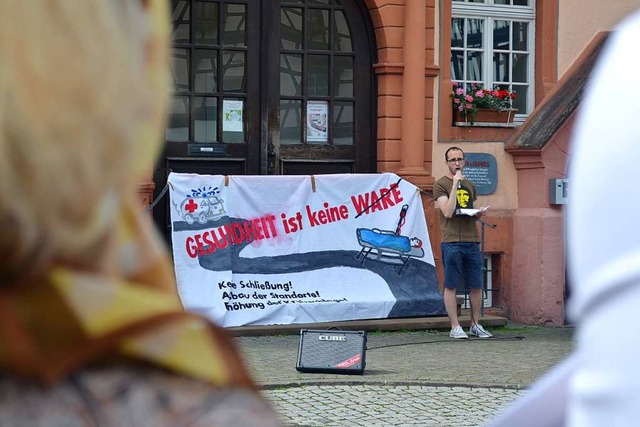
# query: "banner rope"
[[166, 187], [155, 202]]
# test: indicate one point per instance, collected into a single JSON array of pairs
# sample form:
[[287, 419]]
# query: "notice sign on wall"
[[266, 250], [482, 170]]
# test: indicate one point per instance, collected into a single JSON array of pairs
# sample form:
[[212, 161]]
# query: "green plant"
[[468, 100]]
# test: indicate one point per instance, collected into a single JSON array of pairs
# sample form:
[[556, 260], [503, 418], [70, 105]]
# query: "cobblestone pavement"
[[388, 405], [419, 378]]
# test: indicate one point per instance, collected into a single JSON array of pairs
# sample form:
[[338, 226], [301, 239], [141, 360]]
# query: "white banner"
[[261, 250]]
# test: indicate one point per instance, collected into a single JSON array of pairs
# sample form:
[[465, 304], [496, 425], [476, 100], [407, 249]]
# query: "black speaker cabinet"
[[332, 351]]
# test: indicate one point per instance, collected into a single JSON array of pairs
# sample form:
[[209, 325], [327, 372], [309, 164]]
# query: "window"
[[317, 99], [492, 44], [209, 71], [487, 289]]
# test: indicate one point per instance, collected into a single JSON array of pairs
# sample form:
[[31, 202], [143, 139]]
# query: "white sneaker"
[[478, 331], [458, 333]]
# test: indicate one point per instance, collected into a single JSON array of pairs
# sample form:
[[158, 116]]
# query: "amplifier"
[[332, 351]]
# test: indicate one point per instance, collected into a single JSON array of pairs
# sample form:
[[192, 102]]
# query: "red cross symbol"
[[191, 206]]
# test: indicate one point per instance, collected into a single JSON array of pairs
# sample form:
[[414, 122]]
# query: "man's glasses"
[[452, 161]]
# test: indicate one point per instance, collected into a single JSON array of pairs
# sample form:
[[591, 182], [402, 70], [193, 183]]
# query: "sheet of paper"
[[471, 212]]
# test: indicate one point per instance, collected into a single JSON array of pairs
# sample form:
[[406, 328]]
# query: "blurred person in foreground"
[[91, 328], [599, 384]]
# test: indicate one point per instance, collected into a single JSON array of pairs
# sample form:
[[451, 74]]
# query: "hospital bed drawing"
[[388, 247]]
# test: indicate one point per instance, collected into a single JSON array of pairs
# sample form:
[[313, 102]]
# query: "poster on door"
[[263, 250], [231, 115], [317, 121]]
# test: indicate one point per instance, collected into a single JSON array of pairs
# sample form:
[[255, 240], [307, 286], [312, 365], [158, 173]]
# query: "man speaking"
[[460, 245]]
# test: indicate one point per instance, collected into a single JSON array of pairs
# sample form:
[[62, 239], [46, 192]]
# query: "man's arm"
[[447, 204]]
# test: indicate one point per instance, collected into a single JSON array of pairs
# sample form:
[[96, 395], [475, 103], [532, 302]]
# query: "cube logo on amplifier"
[[328, 351], [332, 338]]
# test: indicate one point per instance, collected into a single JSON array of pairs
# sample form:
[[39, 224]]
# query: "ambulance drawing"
[[201, 209]]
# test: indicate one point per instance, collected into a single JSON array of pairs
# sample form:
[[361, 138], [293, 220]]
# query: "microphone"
[[457, 211]]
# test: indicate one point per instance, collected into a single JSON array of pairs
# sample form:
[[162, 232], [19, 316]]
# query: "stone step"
[[370, 325]]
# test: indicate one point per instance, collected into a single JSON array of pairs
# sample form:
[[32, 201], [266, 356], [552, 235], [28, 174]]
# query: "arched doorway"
[[266, 87]]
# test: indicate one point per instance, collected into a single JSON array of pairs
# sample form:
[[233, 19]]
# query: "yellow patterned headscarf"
[[84, 88]]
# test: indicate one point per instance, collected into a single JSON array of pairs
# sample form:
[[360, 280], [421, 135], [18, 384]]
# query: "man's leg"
[[452, 264], [476, 329], [451, 305], [473, 264], [475, 295], [474, 276], [452, 275]]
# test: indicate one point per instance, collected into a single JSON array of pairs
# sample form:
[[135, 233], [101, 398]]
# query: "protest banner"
[[261, 250]]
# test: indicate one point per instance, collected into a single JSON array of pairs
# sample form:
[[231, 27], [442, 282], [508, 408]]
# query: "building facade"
[[267, 87]]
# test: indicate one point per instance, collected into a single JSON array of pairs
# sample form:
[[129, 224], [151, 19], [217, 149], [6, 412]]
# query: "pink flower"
[[468, 106], [455, 84], [456, 101], [459, 91], [480, 94], [468, 98]]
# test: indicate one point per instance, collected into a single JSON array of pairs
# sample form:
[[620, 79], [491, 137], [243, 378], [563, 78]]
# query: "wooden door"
[[269, 87]]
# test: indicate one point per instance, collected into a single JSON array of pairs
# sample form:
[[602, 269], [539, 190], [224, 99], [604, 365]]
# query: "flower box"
[[472, 104], [486, 116]]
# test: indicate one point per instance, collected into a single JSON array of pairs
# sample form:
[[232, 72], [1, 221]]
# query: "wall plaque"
[[482, 170]]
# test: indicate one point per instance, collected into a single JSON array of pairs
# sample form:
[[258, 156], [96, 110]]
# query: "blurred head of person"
[[84, 88]]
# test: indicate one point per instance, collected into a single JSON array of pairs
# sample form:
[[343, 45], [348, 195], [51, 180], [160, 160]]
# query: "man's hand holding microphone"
[[457, 178]]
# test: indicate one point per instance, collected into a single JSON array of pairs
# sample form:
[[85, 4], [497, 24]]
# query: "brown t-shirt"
[[458, 228]]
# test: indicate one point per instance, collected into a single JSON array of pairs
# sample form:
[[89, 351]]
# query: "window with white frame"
[[492, 43]]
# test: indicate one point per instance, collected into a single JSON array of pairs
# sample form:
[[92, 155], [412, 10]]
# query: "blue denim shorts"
[[462, 263]]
